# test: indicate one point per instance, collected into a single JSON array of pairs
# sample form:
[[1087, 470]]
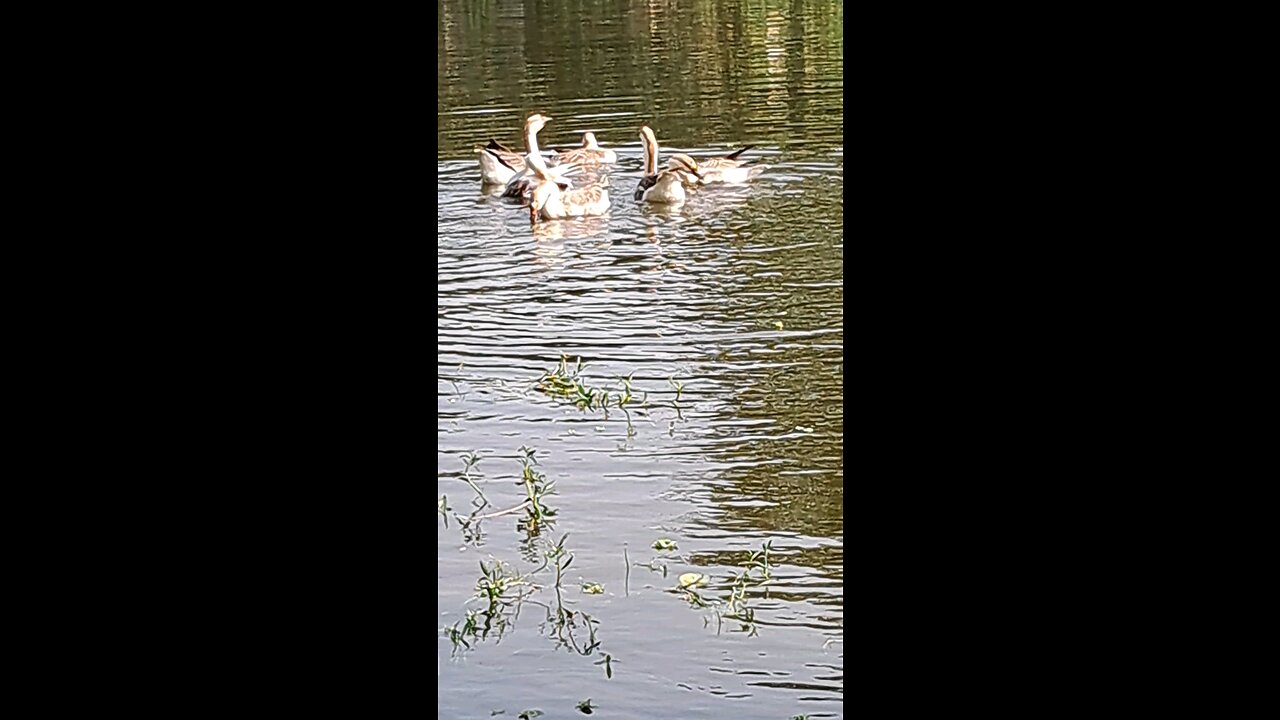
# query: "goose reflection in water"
[[569, 229]]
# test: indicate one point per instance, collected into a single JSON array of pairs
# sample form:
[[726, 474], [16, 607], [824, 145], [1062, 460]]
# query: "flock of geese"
[[546, 185]]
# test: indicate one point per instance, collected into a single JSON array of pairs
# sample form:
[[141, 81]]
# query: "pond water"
[[735, 298]]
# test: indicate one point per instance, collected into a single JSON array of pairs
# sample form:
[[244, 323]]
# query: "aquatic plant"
[[504, 591], [562, 381], [731, 603], [497, 587], [566, 382], [608, 662], [536, 488], [469, 524], [469, 461]]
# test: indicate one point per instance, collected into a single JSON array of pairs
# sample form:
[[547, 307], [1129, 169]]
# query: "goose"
[[729, 169], [551, 201], [667, 186], [524, 181], [589, 154], [498, 164]]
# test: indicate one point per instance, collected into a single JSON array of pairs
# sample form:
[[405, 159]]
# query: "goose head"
[[683, 165], [589, 140], [536, 121]]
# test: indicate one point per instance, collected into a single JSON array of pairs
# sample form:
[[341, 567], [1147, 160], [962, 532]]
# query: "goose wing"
[[645, 183], [509, 159], [590, 195], [728, 161]]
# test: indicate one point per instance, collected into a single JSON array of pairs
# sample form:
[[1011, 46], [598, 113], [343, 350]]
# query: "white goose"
[[551, 200], [499, 164], [666, 186]]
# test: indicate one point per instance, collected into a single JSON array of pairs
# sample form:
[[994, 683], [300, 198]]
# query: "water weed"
[[731, 603], [536, 488], [566, 382]]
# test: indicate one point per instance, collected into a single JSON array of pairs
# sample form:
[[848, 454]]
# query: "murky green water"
[[736, 296]]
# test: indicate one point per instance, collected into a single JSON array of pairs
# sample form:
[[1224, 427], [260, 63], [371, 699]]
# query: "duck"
[[589, 154], [551, 198], [499, 164], [667, 186], [729, 169]]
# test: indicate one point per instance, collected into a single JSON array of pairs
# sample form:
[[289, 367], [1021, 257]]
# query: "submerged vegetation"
[[501, 591]]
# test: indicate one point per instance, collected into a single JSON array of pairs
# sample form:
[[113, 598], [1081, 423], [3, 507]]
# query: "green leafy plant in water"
[[760, 560], [529, 714], [495, 582], [586, 708], [536, 488], [567, 383], [561, 622], [469, 461], [564, 382], [498, 587], [733, 603], [503, 591], [443, 508], [664, 544], [469, 524], [458, 633]]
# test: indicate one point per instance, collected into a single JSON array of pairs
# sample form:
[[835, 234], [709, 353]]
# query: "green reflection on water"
[[703, 71]]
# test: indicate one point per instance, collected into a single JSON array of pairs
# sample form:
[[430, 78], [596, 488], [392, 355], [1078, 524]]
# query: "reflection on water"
[[726, 314], [704, 74]]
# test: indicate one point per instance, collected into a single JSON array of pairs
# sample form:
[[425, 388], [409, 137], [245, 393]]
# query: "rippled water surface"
[[735, 297]]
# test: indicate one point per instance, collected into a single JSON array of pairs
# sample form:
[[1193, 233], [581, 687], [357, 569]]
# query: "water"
[[737, 295]]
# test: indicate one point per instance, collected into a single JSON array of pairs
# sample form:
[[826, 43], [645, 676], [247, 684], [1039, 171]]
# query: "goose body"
[[498, 164], [524, 181], [589, 154], [666, 186], [550, 200], [583, 202], [729, 169]]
